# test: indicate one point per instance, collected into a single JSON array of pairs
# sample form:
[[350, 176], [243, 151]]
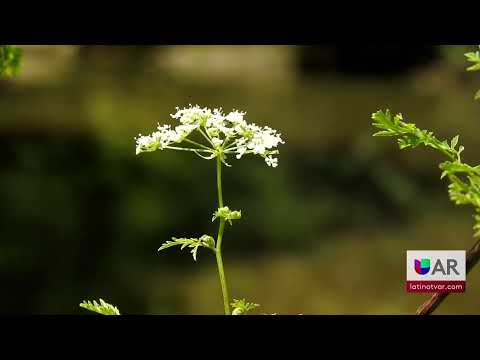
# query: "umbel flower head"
[[222, 135]]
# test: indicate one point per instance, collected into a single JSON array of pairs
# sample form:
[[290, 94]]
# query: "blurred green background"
[[82, 217]]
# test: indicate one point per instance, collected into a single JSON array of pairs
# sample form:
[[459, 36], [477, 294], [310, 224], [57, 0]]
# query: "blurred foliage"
[[10, 56], [83, 217]]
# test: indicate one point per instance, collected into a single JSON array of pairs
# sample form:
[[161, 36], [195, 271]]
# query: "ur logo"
[[422, 266]]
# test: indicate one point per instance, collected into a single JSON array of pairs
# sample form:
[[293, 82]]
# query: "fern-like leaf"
[[193, 243], [101, 307], [473, 57], [242, 307], [464, 187]]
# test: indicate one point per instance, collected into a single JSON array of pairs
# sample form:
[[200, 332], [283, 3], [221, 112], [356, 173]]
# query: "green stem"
[[219, 182], [187, 149], [206, 136], [218, 252], [195, 143]]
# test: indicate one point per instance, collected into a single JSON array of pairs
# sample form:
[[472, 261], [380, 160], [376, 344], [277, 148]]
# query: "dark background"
[[82, 217]]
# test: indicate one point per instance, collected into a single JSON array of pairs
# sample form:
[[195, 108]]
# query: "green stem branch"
[[205, 135], [198, 144], [187, 149], [218, 251]]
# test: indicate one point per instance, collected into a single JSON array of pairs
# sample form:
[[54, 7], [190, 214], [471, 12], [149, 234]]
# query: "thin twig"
[[429, 306]]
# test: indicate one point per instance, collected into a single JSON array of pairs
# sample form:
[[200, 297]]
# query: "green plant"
[[222, 135], [474, 57], [213, 135], [101, 307], [464, 179], [241, 307], [10, 57]]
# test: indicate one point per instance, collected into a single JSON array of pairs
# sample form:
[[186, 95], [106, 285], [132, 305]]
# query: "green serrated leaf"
[[383, 133], [475, 67], [242, 307], [193, 243], [454, 142], [101, 307], [473, 57], [194, 252]]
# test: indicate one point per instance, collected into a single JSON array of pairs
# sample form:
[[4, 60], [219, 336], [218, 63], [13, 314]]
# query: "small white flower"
[[236, 117], [241, 151], [192, 115], [217, 142], [182, 131], [273, 162], [146, 143], [257, 148], [213, 132]]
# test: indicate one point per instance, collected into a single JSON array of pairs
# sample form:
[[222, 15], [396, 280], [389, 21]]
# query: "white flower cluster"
[[225, 134], [163, 137]]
